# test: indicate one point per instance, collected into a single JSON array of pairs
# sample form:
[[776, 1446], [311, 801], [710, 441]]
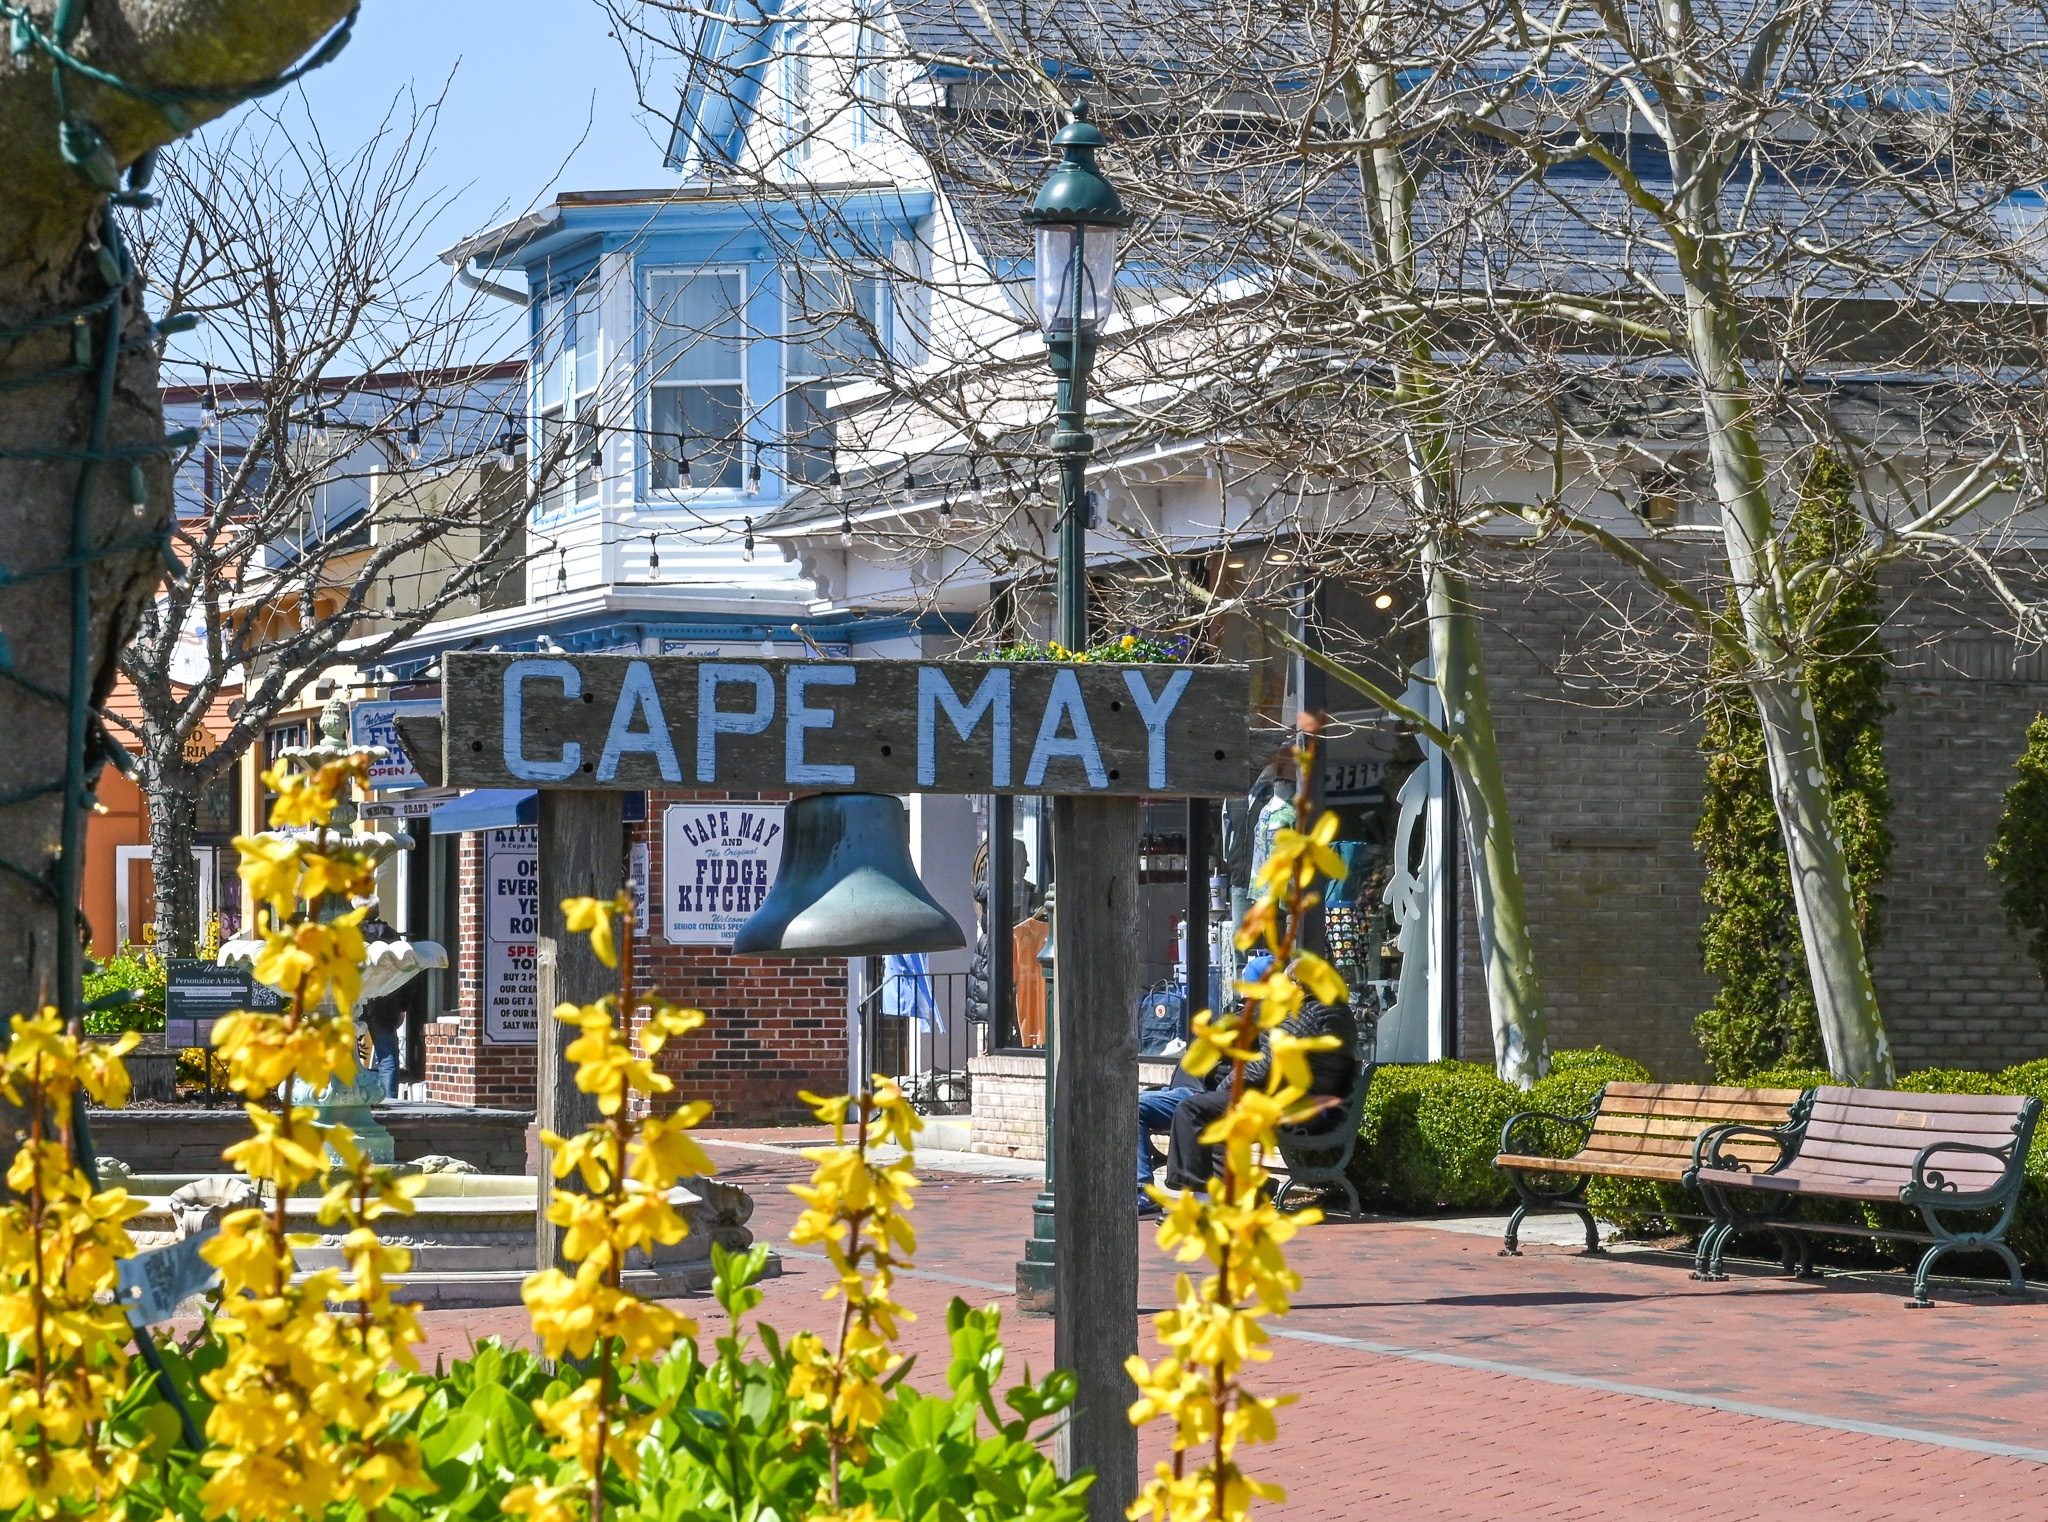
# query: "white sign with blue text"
[[718, 863], [375, 723]]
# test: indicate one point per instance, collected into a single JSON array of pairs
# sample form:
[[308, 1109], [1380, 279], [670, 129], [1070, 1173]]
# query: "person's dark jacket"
[[1330, 1073]]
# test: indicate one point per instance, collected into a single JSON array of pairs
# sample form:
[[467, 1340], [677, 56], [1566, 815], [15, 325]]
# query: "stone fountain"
[[472, 1234]]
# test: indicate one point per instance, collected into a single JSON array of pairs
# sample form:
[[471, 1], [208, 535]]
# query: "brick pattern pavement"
[[1375, 1435]]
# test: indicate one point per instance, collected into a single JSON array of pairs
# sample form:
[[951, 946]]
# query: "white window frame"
[[795, 467], [660, 442], [558, 343], [798, 88]]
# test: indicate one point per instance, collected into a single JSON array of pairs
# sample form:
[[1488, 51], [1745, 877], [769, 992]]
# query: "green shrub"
[[1575, 1077], [1788, 1078], [1430, 1133], [2019, 857], [132, 969]]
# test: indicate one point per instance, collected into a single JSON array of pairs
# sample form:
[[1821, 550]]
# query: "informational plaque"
[[718, 863], [618, 721], [197, 993], [511, 989]]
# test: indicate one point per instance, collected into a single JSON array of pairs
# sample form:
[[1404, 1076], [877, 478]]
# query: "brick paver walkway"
[[1438, 1380]]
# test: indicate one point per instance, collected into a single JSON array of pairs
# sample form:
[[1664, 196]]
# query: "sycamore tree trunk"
[[79, 560], [1845, 998], [173, 793], [1521, 1034], [1514, 996]]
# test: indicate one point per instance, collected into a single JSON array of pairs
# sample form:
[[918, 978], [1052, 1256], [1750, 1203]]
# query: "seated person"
[[1157, 1107], [1189, 1162]]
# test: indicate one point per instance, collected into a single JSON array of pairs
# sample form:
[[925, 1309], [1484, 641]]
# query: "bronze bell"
[[846, 886]]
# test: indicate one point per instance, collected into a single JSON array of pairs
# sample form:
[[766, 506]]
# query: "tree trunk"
[[83, 561], [1521, 1034], [173, 794], [1521, 1039], [1844, 996]]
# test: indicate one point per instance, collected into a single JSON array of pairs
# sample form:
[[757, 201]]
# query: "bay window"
[[565, 387]]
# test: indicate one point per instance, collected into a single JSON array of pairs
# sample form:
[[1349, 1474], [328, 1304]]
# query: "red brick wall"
[[773, 1026]]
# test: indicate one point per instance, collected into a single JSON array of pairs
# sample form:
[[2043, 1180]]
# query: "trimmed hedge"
[[1431, 1130]]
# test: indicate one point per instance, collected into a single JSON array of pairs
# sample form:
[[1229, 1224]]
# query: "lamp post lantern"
[[1079, 220], [1081, 1260]]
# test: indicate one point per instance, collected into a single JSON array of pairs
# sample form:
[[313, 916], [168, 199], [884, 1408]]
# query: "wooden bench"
[[1323, 1156], [1944, 1154], [1637, 1131]]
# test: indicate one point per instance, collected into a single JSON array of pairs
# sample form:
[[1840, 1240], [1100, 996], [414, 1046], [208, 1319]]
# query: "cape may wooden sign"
[[621, 721]]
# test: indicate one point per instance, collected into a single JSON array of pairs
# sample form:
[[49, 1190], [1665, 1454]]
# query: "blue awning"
[[488, 808]]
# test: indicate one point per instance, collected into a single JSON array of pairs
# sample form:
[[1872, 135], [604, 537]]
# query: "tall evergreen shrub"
[[1763, 1015], [2019, 860]]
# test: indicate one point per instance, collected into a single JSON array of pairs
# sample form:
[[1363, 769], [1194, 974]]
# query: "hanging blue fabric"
[[907, 990]]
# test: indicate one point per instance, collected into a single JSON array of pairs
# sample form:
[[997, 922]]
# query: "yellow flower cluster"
[[1213, 1331], [306, 1398], [855, 1207], [626, 1171], [60, 1243]]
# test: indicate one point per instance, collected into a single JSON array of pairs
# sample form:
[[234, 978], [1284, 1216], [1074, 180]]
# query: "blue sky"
[[525, 80]]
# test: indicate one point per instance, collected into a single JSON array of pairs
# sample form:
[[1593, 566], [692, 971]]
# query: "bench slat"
[[1824, 1131], [1864, 1154], [1607, 1165], [1891, 1101], [1690, 1092], [1654, 1125]]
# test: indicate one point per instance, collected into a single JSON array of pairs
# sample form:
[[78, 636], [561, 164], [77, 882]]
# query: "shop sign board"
[[718, 862], [862, 726], [375, 723], [511, 991], [197, 993]]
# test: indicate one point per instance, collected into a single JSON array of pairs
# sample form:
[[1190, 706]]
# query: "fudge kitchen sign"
[[718, 863], [618, 721]]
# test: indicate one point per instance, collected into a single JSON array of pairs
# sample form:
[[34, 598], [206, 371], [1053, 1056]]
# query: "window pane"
[[708, 419], [547, 351], [698, 322], [585, 337], [807, 454]]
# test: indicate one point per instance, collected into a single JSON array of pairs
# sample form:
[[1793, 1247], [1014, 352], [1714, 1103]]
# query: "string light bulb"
[[320, 424], [845, 525], [682, 459], [209, 402], [754, 470], [654, 553], [507, 454], [562, 572], [596, 449], [747, 544], [412, 437]]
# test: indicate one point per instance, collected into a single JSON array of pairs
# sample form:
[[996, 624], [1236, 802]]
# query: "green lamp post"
[[1081, 1261], [1079, 220]]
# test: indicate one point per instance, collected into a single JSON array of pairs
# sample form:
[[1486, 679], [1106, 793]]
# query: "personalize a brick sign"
[[617, 721]]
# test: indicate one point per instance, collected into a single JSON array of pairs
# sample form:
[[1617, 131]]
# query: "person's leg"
[[1189, 1163], [384, 1050], [1155, 1115]]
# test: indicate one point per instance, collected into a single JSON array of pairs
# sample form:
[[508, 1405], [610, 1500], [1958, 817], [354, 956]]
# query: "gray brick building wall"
[[1605, 797]]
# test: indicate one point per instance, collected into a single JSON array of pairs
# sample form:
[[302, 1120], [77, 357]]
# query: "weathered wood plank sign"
[[622, 721]]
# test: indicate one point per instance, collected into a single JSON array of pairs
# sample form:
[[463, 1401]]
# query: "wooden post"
[[582, 855], [1095, 923], [1198, 907], [1002, 917]]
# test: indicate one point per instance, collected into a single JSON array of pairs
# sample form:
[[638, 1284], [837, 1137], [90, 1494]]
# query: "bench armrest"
[[1938, 1190], [1583, 1123], [1707, 1153]]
